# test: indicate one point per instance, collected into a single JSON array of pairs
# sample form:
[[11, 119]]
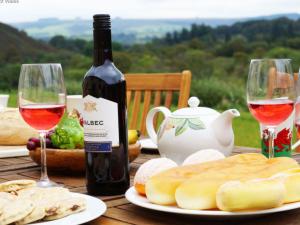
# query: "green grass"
[[246, 130], [12, 101]]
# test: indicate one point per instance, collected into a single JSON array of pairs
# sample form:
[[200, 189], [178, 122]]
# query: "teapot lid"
[[193, 110]]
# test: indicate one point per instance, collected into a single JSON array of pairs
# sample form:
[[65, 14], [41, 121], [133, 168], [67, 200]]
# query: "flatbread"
[[36, 194], [15, 210], [43, 193], [16, 185], [5, 198], [67, 207], [47, 198], [30, 203]]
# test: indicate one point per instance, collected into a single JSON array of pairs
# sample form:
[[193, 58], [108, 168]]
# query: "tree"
[[58, 41]]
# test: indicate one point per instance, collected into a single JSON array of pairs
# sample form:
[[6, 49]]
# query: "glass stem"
[[271, 131], [44, 175]]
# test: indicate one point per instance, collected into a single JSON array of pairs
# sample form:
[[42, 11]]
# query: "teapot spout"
[[222, 126]]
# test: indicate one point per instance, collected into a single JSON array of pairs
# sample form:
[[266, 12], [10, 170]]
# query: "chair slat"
[[153, 81], [271, 82], [135, 109], [128, 98], [185, 89], [147, 101], [157, 100], [296, 76], [168, 100]]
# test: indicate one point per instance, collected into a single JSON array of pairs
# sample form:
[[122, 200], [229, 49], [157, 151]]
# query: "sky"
[[30, 10]]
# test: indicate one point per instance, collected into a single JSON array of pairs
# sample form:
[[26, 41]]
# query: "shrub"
[[219, 94]]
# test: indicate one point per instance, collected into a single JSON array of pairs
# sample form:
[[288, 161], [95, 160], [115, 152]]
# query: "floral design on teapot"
[[181, 125]]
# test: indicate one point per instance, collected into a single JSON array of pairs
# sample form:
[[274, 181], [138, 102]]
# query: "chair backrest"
[[149, 89], [279, 80]]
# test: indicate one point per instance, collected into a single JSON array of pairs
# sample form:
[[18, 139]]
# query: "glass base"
[[47, 184]]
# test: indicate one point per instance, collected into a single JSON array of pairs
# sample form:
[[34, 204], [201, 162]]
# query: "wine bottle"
[[105, 118]]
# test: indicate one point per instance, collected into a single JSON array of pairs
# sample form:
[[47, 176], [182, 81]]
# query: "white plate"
[[94, 208], [133, 197], [13, 151], [147, 143]]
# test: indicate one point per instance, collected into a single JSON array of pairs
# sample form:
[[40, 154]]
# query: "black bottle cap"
[[102, 22]]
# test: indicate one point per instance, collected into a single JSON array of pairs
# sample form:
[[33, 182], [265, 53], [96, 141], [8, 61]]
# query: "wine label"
[[101, 124]]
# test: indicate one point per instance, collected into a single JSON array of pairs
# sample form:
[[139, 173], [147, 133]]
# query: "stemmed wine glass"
[[297, 112], [42, 99], [271, 93]]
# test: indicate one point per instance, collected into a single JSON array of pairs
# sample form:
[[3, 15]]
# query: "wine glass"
[[297, 112], [42, 99], [271, 94]]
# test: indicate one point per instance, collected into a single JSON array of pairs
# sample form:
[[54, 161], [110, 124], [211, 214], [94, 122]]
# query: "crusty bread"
[[13, 129]]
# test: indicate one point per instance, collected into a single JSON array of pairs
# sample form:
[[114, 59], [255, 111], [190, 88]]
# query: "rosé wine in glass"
[[271, 112], [42, 117]]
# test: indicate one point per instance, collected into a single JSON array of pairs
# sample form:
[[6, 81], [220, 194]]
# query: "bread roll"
[[149, 169], [251, 195], [291, 179], [13, 129], [196, 185], [204, 155]]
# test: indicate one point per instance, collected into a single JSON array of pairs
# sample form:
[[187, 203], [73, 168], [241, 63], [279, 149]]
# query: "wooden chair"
[[279, 80], [149, 89]]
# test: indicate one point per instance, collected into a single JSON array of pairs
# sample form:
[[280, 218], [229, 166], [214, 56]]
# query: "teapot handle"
[[149, 121]]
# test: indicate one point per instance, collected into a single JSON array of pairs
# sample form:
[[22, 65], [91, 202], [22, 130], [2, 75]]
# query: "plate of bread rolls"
[[243, 185]]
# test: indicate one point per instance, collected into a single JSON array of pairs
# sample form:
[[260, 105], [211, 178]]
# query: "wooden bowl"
[[73, 160]]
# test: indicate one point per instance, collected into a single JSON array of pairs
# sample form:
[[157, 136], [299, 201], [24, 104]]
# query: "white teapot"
[[189, 130]]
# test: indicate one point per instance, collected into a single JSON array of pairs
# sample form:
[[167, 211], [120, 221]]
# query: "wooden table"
[[120, 211]]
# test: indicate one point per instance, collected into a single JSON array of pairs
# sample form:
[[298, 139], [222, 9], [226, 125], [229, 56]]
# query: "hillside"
[[17, 48], [16, 45], [127, 31]]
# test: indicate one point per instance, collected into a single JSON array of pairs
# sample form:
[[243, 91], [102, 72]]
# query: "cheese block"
[[13, 129], [195, 186]]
